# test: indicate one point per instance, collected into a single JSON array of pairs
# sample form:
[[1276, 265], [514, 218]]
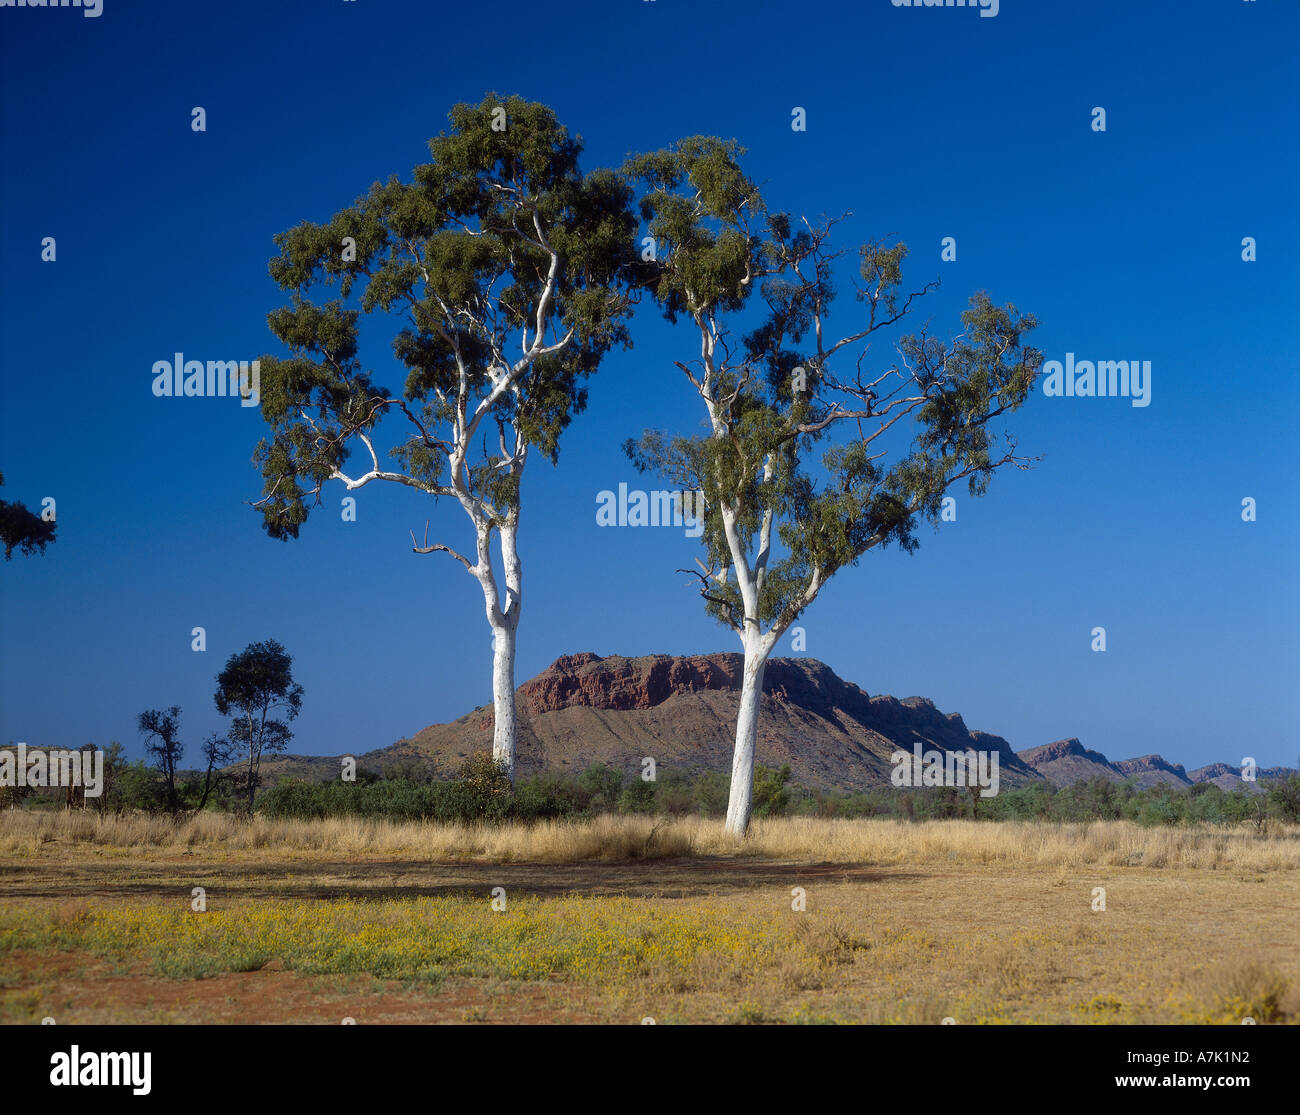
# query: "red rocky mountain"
[[682, 710], [1067, 761]]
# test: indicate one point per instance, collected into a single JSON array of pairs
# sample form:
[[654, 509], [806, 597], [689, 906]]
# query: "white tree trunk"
[[505, 626], [741, 801], [503, 696]]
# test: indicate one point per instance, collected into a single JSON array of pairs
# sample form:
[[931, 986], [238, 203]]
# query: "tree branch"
[[438, 548]]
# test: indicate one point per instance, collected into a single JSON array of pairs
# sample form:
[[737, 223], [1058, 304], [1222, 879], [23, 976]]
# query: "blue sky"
[[924, 123]]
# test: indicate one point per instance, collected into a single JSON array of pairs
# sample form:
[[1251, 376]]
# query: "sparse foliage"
[[511, 271], [161, 730], [255, 684], [795, 485]]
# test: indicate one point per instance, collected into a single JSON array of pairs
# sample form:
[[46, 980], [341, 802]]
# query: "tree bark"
[[504, 622], [252, 766], [741, 800], [503, 697]]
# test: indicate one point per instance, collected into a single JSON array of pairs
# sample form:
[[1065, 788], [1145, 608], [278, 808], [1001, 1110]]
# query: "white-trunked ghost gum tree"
[[780, 521], [510, 270]]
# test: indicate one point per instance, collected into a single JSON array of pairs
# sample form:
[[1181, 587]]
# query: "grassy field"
[[625, 918]]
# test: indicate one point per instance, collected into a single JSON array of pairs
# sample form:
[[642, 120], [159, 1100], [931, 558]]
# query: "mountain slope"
[[681, 712], [1152, 770], [1067, 761]]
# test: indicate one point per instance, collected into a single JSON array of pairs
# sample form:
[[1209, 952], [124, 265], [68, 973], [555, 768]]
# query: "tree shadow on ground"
[[395, 879]]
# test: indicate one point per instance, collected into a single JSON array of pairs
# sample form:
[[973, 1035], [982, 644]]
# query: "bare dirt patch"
[[75, 988]]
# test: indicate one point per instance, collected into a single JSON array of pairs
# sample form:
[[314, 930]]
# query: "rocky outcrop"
[[681, 711], [1228, 778], [589, 681], [1152, 770], [1067, 761]]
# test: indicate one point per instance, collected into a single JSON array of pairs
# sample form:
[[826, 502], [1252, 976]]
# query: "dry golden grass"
[[1246, 985], [609, 839], [989, 944], [623, 917]]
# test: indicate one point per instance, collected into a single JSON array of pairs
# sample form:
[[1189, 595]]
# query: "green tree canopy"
[[255, 689], [507, 274], [793, 470], [509, 270]]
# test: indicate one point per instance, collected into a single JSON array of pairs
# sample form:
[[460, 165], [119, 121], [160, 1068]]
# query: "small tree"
[[161, 730], [603, 785], [136, 786], [1284, 798], [771, 792], [779, 520], [217, 754], [511, 270], [256, 683], [109, 800], [485, 787], [22, 529]]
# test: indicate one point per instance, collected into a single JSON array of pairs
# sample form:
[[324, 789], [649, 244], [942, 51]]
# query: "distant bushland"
[[478, 795]]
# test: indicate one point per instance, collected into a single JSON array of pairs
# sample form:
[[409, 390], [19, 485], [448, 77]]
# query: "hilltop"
[[680, 710]]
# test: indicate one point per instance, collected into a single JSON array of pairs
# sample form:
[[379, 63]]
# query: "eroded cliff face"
[[681, 710], [1067, 761], [589, 681]]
